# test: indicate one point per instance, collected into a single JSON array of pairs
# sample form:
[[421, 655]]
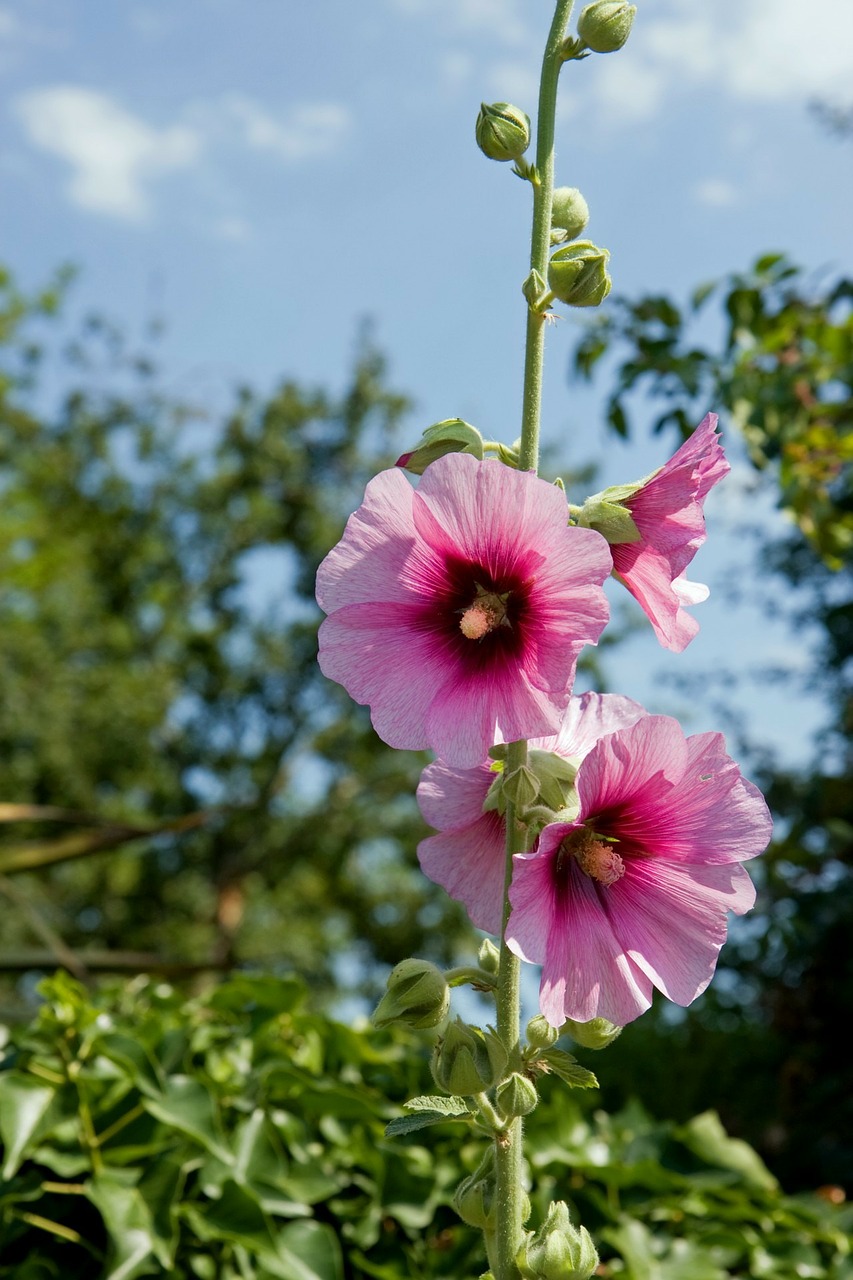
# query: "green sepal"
[[521, 786], [534, 289], [612, 521], [451, 435]]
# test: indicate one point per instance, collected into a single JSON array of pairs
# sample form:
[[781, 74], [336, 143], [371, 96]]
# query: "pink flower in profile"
[[468, 856], [457, 610], [667, 511], [635, 893]]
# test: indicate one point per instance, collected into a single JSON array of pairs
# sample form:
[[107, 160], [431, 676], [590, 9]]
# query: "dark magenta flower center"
[[483, 613]]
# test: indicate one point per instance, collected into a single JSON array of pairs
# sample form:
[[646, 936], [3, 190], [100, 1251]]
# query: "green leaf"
[[420, 1120], [451, 1106], [186, 1105], [316, 1245], [568, 1069], [136, 1060], [705, 1136], [23, 1103], [128, 1224]]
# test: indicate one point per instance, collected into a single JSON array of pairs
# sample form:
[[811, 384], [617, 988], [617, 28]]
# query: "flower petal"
[[672, 920], [470, 865]]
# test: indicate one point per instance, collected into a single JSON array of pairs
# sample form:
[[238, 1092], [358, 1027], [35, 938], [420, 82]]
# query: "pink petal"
[[648, 576], [632, 771], [588, 717], [672, 920], [453, 798], [586, 973], [470, 865]]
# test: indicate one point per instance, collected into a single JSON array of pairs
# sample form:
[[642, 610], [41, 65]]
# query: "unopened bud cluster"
[[467, 1060], [417, 995], [577, 274], [558, 1251]]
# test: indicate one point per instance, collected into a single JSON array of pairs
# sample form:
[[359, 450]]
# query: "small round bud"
[[605, 25], [468, 1060], [597, 1034], [521, 786], [502, 131], [417, 995], [578, 274], [488, 957], [557, 1251], [569, 211], [516, 1096], [540, 1033]]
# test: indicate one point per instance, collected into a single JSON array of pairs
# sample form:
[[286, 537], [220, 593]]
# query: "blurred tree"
[[766, 1043], [158, 658]]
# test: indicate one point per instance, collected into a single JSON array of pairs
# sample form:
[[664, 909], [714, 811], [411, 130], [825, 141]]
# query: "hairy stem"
[[509, 1144]]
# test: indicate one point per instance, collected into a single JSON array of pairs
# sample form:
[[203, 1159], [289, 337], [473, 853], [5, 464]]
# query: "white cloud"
[[305, 130], [715, 192], [747, 50], [113, 154]]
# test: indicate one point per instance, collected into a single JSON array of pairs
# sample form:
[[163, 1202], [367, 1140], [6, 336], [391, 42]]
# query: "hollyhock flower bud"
[[457, 610], [488, 957], [502, 131], [540, 1033], [450, 436], [660, 529], [468, 1060], [474, 1198], [516, 1096], [635, 893], [417, 995], [558, 1250], [605, 25], [577, 274], [595, 1034], [467, 857], [569, 211]]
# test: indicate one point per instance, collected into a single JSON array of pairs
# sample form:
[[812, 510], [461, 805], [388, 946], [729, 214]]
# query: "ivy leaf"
[[568, 1069], [23, 1103]]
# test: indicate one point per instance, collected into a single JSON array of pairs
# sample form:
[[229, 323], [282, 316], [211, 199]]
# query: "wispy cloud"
[[716, 192], [113, 155]]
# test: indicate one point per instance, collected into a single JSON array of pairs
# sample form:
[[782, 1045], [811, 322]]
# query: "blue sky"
[[264, 174]]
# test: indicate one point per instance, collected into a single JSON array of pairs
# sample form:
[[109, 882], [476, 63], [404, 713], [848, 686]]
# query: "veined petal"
[[451, 798], [470, 864], [672, 920]]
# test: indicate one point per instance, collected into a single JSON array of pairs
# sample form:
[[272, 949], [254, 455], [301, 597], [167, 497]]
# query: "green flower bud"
[[516, 1096], [474, 1198], [417, 995], [502, 131], [605, 25], [488, 957], [578, 275], [557, 1251], [540, 1033], [556, 776], [521, 786], [597, 1034], [468, 1060], [569, 211], [450, 436]]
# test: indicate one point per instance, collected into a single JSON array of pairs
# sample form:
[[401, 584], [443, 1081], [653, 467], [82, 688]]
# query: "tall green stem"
[[508, 1145]]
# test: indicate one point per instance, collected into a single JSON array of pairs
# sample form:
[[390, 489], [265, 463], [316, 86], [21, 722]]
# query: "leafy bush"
[[239, 1136]]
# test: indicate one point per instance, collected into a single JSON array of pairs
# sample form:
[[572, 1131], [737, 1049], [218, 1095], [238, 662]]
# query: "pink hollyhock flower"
[[457, 610], [667, 511], [635, 893], [468, 856]]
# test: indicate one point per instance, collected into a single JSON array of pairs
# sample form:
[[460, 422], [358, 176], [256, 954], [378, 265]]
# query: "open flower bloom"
[[667, 511], [635, 893], [457, 610], [468, 856]]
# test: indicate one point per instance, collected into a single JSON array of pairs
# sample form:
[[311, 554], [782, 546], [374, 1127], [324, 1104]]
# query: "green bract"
[[597, 1034], [452, 435], [468, 1060], [605, 25], [502, 131], [558, 1251], [417, 995], [577, 274]]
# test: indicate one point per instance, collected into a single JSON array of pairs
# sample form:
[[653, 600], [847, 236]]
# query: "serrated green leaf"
[[23, 1103], [448, 1106], [420, 1120], [568, 1069]]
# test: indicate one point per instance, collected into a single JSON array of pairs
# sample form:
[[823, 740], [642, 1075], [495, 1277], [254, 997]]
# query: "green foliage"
[[783, 370], [768, 1045], [158, 667], [239, 1135]]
